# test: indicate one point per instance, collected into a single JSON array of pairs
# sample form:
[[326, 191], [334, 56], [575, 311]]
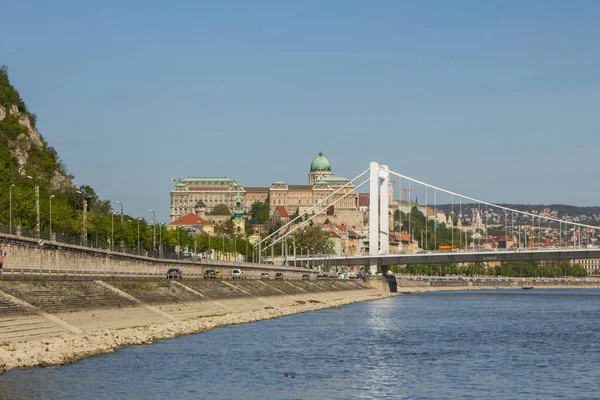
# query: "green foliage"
[[312, 239], [220, 209], [8, 94], [260, 213], [517, 269], [433, 234]]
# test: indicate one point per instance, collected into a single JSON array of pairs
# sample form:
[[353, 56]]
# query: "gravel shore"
[[68, 348]]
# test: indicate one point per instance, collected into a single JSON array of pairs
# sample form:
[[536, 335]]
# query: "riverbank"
[[61, 336], [423, 289]]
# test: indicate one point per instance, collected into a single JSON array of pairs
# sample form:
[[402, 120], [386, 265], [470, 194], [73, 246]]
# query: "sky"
[[496, 100]]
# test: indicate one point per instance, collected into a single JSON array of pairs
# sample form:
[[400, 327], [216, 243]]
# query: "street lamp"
[[84, 219], [139, 236], [160, 240], [153, 231], [112, 230], [51, 197], [121, 204], [37, 205], [10, 205]]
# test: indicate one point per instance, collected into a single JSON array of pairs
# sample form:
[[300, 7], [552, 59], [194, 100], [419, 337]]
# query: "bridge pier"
[[378, 212]]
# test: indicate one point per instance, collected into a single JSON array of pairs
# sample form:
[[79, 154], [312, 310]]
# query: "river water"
[[535, 344]]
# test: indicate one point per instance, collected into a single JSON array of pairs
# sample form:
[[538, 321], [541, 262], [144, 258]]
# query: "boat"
[[527, 286]]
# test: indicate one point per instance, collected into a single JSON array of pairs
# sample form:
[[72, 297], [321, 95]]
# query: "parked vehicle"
[[360, 276], [264, 275], [212, 274], [237, 274], [279, 275], [174, 273], [306, 277]]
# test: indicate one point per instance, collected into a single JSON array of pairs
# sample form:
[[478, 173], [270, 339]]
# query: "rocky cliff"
[[23, 151]]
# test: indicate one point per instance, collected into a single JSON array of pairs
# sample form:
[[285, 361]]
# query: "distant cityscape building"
[[211, 191]]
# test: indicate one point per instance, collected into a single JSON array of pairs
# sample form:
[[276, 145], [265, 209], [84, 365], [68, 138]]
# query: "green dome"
[[320, 163]]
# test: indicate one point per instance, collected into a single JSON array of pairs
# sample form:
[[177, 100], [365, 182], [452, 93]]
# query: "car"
[[264, 275], [212, 274], [237, 274], [306, 277], [174, 273], [360, 276], [279, 275]]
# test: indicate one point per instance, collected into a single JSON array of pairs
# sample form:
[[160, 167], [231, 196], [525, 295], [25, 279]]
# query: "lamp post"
[[112, 230], [139, 236], [51, 197], [84, 219], [121, 204], [160, 240], [153, 232], [10, 206], [37, 205]]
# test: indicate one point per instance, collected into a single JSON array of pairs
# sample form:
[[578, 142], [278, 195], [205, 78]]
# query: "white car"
[[237, 274]]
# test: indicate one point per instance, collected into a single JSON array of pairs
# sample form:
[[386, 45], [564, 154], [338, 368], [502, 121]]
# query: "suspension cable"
[[318, 204], [289, 232], [491, 204]]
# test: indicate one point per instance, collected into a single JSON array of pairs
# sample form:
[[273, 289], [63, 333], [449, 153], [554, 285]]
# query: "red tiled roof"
[[341, 227], [334, 235], [357, 235], [190, 219], [364, 201], [282, 212]]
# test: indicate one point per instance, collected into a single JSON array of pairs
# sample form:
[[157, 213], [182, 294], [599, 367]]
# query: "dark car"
[[360, 276], [212, 274], [306, 277], [279, 275], [174, 273]]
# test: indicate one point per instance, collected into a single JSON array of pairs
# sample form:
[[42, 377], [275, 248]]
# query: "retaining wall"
[[27, 253]]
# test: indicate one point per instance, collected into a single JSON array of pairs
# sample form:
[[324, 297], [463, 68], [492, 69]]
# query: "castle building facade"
[[212, 191]]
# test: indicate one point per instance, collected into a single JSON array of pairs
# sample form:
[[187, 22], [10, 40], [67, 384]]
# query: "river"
[[518, 344]]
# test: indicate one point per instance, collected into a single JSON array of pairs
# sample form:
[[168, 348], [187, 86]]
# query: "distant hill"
[[562, 209]]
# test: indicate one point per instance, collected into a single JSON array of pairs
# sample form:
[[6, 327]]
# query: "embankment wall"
[[27, 253]]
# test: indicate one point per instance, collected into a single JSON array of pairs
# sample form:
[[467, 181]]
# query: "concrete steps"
[[157, 292], [56, 297], [8, 309], [20, 329]]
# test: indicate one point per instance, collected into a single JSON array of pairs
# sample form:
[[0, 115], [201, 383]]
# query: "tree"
[[220, 209], [314, 240], [260, 212]]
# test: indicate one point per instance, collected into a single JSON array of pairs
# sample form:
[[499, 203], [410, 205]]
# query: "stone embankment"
[[56, 322], [405, 285], [56, 259]]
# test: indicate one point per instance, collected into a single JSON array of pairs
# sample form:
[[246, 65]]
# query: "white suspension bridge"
[[571, 239]]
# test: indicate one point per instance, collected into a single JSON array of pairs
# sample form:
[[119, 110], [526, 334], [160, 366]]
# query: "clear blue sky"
[[494, 99]]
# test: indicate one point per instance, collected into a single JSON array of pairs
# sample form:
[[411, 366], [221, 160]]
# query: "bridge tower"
[[378, 212]]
